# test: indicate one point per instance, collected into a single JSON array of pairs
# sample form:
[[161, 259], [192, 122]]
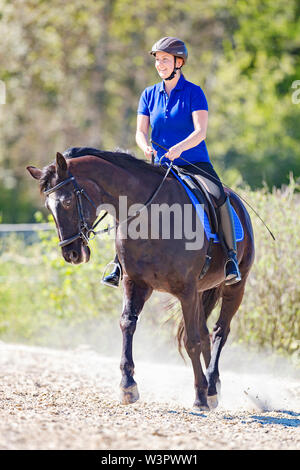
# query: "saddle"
[[199, 195], [202, 195]]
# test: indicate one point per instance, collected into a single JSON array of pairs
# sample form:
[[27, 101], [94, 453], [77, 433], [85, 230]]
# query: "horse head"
[[73, 211]]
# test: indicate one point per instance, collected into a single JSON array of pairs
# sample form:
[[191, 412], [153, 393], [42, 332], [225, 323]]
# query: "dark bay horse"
[[75, 186]]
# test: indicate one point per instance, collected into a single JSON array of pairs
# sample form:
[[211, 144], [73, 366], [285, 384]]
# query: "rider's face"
[[164, 64]]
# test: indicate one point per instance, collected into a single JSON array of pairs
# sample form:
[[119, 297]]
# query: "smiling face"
[[164, 63]]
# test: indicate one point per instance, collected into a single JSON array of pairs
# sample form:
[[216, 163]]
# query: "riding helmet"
[[171, 45]]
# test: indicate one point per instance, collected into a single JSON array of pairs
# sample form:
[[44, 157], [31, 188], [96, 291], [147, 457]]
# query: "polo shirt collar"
[[179, 84]]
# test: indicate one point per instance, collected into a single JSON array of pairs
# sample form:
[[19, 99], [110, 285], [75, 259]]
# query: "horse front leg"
[[134, 298]]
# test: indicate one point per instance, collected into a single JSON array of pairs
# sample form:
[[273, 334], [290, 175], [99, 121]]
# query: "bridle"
[[85, 231]]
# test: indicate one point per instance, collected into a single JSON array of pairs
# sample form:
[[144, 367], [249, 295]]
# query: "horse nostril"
[[73, 255]]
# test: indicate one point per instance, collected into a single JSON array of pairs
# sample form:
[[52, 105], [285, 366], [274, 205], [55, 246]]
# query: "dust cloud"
[[250, 381]]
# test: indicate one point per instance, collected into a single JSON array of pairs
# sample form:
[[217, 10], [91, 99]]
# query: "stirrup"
[[112, 279], [232, 273]]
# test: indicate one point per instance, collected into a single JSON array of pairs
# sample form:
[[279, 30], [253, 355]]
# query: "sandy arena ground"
[[53, 399]]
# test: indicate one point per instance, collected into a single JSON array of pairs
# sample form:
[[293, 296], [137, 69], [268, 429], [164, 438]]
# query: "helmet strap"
[[174, 71]]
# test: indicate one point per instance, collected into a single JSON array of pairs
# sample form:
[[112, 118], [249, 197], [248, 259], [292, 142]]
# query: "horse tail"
[[179, 337], [210, 299]]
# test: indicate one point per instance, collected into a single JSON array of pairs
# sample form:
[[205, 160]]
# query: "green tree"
[[74, 72]]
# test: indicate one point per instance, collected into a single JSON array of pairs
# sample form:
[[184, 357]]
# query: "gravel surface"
[[53, 399]]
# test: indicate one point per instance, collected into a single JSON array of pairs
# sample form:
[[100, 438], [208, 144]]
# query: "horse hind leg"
[[192, 311], [208, 300], [231, 300]]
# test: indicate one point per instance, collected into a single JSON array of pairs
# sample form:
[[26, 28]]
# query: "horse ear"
[[61, 165], [36, 173]]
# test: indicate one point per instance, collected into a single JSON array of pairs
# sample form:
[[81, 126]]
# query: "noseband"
[[85, 231]]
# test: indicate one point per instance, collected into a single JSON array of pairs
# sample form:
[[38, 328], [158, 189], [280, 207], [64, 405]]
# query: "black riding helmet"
[[173, 46]]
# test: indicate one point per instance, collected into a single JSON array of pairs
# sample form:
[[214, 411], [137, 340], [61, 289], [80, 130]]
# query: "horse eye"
[[67, 202]]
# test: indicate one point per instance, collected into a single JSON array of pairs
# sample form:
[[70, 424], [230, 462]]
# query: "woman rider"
[[178, 113]]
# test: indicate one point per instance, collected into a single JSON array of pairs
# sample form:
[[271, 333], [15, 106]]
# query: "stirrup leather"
[[231, 268]]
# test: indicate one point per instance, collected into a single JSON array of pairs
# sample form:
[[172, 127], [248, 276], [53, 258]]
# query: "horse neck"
[[115, 183]]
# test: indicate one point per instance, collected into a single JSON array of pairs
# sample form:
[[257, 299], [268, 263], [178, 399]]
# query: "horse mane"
[[119, 157]]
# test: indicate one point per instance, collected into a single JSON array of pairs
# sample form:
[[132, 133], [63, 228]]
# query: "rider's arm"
[[141, 136], [200, 120]]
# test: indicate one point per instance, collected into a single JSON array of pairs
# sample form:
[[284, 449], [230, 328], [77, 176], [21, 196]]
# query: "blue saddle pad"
[[239, 231]]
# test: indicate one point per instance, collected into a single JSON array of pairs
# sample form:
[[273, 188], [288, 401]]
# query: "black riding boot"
[[231, 268], [113, 279]]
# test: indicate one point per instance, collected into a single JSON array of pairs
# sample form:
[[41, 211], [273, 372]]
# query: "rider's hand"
[[148, 152], [174, 152]]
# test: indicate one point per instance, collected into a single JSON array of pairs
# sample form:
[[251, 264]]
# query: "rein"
[[147, 203], [226, 186], [85, 231]]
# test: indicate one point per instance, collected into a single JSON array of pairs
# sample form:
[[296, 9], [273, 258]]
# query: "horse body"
[[153, 263]]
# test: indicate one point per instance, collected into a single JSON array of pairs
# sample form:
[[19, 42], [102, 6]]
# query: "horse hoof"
[[129, 395], [212, 401], [200, 407]]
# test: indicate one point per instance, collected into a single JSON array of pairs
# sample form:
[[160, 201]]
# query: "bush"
[[270, 313], [40, 291]]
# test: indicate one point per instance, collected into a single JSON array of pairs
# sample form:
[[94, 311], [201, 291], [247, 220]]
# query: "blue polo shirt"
[[171, 118]]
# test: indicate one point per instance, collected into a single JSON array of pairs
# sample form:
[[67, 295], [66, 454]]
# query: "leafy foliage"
[[74, 72], [270, 312], [39, 289]]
